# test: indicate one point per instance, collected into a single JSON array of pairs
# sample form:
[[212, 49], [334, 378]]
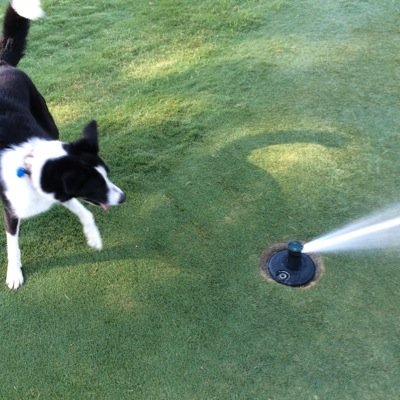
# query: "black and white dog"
[[36, 169]]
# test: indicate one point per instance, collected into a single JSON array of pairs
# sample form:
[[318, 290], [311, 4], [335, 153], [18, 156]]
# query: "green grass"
[[231, 125]]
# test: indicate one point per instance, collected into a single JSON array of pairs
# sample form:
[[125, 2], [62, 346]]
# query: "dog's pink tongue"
[[104, 206]]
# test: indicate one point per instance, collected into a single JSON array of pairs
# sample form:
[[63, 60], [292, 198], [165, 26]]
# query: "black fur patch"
[[69, 177]]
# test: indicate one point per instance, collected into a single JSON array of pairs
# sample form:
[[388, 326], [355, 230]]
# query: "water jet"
[[287, 264], [374, 232]]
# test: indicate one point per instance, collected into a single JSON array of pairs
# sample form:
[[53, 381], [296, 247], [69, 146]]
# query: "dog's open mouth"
[[104, 206]]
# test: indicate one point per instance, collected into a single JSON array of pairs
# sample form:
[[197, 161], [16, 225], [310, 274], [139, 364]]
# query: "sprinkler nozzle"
[[294, 254]]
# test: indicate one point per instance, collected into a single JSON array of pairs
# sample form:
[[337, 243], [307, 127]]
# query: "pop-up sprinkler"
[[290, 266]]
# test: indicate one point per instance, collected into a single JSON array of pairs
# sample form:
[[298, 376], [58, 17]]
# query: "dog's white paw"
[[14, 279], [93, 237]]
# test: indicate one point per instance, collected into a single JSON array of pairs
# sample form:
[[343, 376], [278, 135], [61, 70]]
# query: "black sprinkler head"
[[289, 266]]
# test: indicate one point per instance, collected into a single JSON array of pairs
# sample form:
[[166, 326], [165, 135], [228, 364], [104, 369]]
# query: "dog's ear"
[[88, 143], [90, 136]]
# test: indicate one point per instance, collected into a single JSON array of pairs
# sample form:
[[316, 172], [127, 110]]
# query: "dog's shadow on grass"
[[108, 254]]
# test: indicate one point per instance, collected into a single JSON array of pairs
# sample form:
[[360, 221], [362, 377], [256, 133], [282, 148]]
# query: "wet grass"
[[232, 125]]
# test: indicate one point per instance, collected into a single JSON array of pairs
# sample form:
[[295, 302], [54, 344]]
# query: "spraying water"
[[378, 231]]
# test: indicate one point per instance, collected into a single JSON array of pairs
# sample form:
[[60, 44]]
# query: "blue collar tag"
[[21, 172]]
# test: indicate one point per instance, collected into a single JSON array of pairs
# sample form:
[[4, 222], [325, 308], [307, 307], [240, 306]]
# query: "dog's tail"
[[16, 28]]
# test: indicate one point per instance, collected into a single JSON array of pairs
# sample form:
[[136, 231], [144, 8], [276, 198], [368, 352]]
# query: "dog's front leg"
[[87, 220], [14, 273]]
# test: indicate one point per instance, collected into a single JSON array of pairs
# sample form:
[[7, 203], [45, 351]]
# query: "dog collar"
[[21, 172]]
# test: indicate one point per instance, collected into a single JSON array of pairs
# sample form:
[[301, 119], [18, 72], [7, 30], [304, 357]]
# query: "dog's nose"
[[122, 198]]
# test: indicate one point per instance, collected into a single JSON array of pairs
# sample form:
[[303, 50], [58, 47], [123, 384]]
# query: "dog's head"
[[81, 173]]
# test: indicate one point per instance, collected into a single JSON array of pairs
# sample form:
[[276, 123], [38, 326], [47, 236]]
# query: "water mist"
[[377, 231]]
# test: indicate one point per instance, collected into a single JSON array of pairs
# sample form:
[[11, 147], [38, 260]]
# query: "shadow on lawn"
[[225, 197]]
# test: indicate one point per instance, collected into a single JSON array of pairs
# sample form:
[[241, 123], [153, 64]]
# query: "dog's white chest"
[[23, 193], [23, 198]]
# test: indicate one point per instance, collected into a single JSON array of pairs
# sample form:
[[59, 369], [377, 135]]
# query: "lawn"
[[231, 125]]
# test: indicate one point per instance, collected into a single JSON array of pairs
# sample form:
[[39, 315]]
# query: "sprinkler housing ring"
[[285, 264]]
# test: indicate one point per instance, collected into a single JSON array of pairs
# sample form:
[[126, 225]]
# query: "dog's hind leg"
[[87, 220], [14, 273]]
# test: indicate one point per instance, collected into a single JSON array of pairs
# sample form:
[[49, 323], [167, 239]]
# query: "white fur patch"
[[25, 194], [89, 226], [30, 9], [114, 194], [14, 273]]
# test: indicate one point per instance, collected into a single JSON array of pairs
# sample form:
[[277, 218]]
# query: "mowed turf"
[[231, 125]]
